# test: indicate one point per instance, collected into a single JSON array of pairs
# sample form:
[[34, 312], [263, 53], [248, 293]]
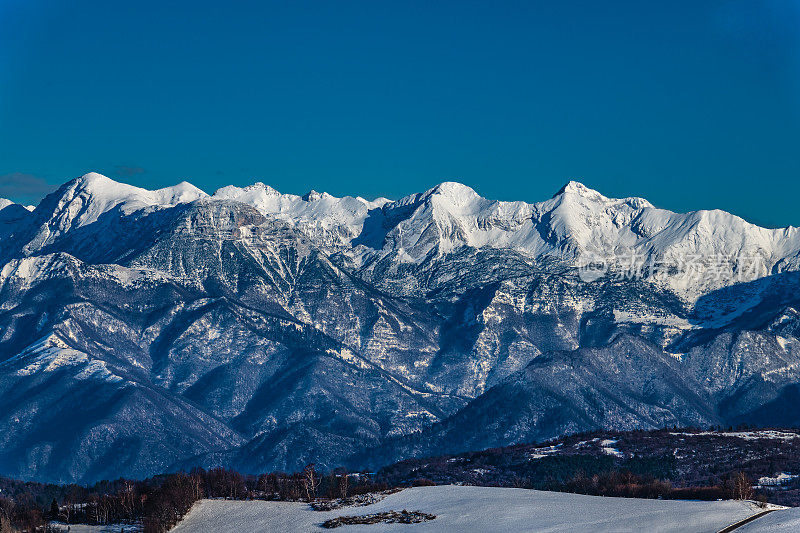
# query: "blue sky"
[[691, 104]]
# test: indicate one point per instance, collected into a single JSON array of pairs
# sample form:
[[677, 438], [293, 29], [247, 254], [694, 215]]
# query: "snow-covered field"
[[784, 521], [480, 509]]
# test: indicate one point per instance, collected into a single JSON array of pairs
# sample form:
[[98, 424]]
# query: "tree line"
[[718, 467], [158, 503]]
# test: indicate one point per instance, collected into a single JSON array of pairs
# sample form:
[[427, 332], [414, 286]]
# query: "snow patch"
[[477, 509], [607, 445], [780, 479], [747, 435]]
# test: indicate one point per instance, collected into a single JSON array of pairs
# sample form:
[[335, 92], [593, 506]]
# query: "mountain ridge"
[[262, 330]]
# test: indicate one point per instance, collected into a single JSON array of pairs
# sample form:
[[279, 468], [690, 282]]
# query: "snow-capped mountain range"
[[142, 331]]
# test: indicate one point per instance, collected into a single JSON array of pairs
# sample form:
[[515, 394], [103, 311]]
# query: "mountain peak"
[[257, 190], [84, 200], [186, 186], [98, 185], [261, 186], [94, 181], [453, 189], [577, 191], [578, 188], [183, 192], [312, 195], [94, 177]]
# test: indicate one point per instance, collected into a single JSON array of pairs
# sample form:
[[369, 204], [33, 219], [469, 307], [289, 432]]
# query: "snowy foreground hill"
[[143, 331], [481, 509]]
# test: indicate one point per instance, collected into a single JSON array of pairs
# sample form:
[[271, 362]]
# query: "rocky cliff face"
[[147, 330]]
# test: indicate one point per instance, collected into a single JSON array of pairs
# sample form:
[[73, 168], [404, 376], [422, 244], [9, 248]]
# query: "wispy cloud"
[[126, 171], [24, 188]]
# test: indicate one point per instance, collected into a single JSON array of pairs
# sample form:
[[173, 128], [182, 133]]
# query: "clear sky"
[[692, 104]]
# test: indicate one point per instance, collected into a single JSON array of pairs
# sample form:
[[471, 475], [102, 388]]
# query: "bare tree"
[[196, 484], [310, 482], [5, 525], [127, 497], [344, 484], [6, 507], [742, 487]]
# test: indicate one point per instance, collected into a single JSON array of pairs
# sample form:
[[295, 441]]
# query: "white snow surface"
[[608, 448], [579, 220], [575, 222], [747, 435], [545, 451], [98, 194], [51, 354], [84, 200], [476, 509], [60, 527], [334, 221], [781, 521], [779, 479]]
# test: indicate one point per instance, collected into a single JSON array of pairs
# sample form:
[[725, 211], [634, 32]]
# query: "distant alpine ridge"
[[148, 331]]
